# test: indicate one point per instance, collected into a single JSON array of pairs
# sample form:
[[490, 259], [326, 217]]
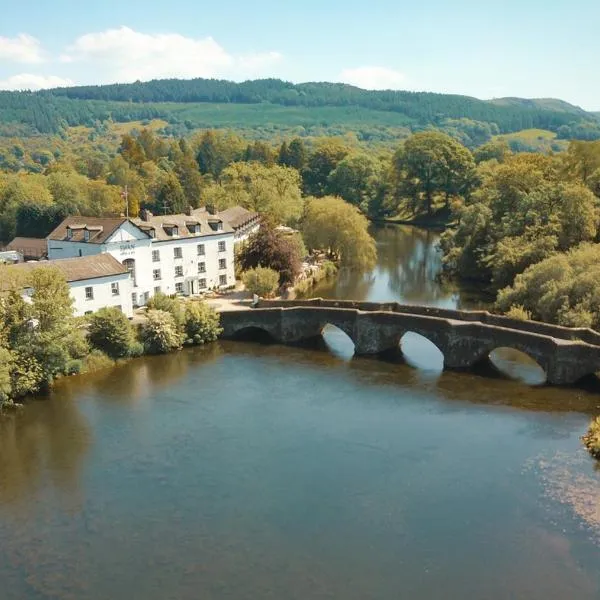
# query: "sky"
[[525, 48]]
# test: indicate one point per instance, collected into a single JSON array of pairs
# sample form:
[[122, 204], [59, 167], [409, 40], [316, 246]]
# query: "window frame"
[[89, 292], [154, 277], [114, 289]]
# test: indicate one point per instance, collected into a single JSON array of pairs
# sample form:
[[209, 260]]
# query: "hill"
[[333, 107]]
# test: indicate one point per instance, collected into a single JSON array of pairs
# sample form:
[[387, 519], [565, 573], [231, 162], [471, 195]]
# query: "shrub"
[[591, 439], [111, 332], [201, 323], [518, 313], [168, 304], [95, 361], [329, 269], [160, 333], [261, 281]]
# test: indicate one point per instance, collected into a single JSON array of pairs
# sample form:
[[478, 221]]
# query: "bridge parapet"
[[463, 341], [482, 316]]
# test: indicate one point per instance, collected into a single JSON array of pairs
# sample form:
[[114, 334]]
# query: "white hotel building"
[[175, 254]]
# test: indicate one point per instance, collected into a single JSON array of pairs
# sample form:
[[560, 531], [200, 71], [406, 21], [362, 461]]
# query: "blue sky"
[[528, 48]]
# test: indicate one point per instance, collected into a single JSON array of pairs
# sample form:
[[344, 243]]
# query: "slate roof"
[[78, 269], [99, 228], [163, 224], [29, 246], [237, 216]]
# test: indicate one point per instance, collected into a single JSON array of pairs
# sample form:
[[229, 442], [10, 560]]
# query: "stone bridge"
[[465, 338]]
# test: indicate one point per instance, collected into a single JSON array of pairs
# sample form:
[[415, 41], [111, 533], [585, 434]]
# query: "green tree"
[[293, 155], [271, 191], [110, 331], [216, 150], [160, 333], [170, 197], [201, 323], [260, 152], [261, 281], [357, 179], [333, 225], [434, 163], [320, 165]]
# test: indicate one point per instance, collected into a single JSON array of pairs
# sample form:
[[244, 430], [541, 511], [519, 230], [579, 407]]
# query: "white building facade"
[[94, 282], [183, 254]]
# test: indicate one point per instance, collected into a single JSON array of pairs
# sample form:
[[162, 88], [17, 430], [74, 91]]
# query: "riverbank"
[[438, 220]]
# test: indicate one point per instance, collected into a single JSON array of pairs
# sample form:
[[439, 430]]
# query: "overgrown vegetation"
[[41, 340], [261, 281], [591, 439]]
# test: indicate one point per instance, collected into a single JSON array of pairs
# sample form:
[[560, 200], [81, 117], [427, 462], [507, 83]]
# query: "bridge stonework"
[[465, 338]]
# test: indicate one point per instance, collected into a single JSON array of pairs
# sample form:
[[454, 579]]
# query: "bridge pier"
[[462, 336]]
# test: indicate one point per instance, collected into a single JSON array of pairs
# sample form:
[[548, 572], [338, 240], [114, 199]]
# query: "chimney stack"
[[188, 210], [145, 214], [210, 209]]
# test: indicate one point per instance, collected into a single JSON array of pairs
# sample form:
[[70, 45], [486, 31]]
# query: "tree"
[[293, 155], [333, 225], [272, 191], [169, 196], [160, 333], [321, 164], [110, 331], [259, 152], [216, 150], [201, 323], [436, 164], [357, 179], [172, 305], [267, 248], [564, 288], [492, 150], [261, 281]]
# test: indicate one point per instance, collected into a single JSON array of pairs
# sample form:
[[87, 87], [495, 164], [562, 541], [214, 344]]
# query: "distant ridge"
[[48, 111]]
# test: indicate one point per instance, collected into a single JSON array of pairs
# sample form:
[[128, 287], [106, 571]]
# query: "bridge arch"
[[517, 363], [419, 351], [338, 341], [253, 333]]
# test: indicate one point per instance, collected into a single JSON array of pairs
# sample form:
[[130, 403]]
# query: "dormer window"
[[69, 233], [86, 235], [152, 232], [175, 230]]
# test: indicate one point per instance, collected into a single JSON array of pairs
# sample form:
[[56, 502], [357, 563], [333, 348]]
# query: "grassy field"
[[536, 140]]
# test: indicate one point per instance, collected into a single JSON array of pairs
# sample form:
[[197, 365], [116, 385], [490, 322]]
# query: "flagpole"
[[124, 194]]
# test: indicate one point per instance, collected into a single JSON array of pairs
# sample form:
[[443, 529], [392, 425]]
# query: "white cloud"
[[22, 49], [29, 81], [125, 55], [373, 78]]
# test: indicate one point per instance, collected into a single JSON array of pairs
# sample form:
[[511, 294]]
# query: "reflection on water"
[[256, 471], [408, 263]]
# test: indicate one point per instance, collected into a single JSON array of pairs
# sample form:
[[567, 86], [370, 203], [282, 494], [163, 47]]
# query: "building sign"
[[127, 249]]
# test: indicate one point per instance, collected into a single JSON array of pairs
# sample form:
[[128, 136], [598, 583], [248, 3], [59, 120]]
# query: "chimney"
[[210, 209], [188, 210], [145, 214]]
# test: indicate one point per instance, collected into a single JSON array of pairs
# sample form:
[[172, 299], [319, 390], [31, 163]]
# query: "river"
[[251, 471]]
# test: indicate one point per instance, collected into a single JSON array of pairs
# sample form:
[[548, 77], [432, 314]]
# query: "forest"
[[523, 225], [183, 103]]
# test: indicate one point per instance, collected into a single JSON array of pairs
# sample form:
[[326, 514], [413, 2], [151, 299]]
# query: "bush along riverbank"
[[41, 340], [313, 272], [591, 439]]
